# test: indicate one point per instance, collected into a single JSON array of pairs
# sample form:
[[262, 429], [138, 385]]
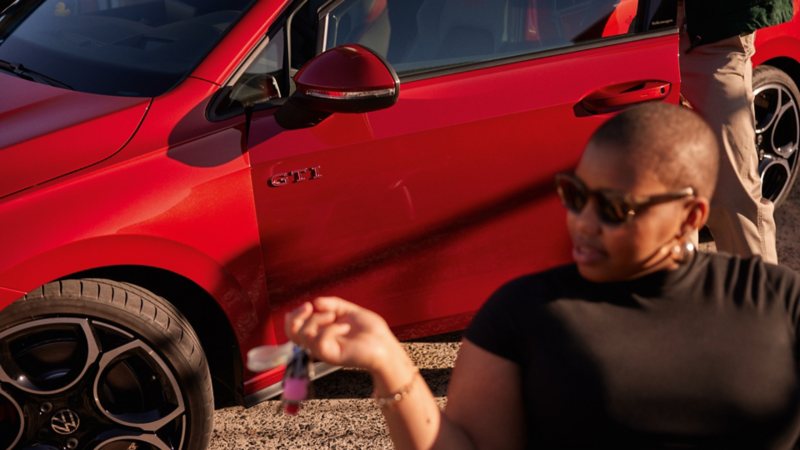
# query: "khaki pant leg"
[[717, 81]]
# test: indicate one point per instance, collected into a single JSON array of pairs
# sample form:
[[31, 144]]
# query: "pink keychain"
[[296, 380], [298, 375]]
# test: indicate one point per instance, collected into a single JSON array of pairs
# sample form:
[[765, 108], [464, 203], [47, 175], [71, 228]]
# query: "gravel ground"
[[787, 220], [342, 416]]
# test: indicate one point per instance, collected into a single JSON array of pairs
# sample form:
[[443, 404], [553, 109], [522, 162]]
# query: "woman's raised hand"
[[342, 333]]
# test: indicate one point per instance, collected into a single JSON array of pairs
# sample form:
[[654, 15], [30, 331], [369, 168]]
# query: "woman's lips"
[[587, 255]]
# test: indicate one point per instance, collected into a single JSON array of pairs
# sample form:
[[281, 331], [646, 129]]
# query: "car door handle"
[[617, 96]]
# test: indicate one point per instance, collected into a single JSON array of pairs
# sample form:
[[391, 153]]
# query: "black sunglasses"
[[613, 208]]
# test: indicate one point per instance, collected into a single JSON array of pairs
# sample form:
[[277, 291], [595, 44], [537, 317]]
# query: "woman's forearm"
[[344, 334], [414, 419]]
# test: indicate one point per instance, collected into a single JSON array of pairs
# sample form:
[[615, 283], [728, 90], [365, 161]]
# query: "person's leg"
[[717, 81]]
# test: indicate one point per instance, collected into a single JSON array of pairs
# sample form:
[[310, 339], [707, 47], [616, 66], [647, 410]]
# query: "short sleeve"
[[493, 328]]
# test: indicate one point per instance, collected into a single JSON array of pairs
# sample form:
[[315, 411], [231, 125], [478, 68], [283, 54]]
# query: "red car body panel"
[[149, 206], [49, 131], [7, 296], [345, 69], [782, 41], [415, 214]]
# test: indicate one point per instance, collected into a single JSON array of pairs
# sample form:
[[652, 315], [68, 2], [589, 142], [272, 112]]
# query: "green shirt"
[[710, 21]]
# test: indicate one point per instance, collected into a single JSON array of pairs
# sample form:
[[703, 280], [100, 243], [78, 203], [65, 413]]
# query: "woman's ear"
[[697, 214]]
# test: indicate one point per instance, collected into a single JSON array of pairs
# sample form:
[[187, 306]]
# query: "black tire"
[[97, 364], [777, 134]]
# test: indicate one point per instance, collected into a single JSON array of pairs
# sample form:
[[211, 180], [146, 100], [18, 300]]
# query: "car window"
[[262, 77], [405, 33], [417, 35], [267, 74], [115, 47]]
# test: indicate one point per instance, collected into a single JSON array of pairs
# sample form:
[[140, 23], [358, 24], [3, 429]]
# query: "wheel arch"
[[782, 52], [204, 315], [200, 287]]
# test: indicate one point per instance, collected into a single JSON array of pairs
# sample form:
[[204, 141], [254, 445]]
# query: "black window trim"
[[323, 14], [219, 96], [244, 63], [278, 26]]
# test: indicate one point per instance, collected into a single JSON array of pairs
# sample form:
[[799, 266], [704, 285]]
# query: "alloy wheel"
[[777, 138], [76, 383]]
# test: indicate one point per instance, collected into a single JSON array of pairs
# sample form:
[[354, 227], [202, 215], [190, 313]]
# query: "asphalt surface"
[[342, 415]]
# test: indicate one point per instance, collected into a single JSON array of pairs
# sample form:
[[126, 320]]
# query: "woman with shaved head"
[[640, 343]]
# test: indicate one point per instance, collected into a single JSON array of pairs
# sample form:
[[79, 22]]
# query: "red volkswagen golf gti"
[[177, 174]]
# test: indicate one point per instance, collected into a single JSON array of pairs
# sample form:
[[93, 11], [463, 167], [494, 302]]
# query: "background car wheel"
[[777, 131], [101, 365]]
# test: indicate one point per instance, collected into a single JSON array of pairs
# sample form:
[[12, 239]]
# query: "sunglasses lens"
[[573, 195], [610, 211]]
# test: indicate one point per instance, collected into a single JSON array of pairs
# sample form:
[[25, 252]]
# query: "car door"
[[421, 210]]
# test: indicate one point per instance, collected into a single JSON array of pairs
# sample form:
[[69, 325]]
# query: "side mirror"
[[345, 79]]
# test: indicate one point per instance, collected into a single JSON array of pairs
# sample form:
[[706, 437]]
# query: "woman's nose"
[[587, 220]]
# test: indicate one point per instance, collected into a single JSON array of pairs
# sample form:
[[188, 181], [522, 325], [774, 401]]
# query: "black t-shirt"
[[701, 357]]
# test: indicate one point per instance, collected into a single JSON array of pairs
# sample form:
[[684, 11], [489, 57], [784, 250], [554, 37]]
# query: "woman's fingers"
[[341, 333], [302, 324], [350, 312], [307, 334], [295, 320], [338, 306]]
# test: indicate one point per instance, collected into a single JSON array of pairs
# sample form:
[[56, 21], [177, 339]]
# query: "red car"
[[177, 174]]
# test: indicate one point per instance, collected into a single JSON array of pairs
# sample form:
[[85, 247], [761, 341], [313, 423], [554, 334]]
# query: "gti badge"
[[65, 422], [295, 176]]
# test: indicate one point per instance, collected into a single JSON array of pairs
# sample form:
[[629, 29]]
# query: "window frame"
[[282, 24], [423, 74], [323, 13]]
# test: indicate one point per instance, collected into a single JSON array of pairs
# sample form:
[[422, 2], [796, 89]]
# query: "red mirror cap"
[[348, 78], [346, 68]]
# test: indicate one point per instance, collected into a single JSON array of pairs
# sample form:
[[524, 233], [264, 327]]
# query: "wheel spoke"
[[135, 388], [770, 114], [74, 377], [784, 108], [775, 174], [778, 130], [47, 356]]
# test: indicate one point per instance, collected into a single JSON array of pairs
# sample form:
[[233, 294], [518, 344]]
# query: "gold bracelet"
[[385, 402]]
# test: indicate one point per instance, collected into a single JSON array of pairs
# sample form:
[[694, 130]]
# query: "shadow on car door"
[[421, 210]]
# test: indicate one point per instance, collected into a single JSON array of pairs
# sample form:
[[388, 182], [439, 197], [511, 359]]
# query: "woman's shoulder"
[[539, 287], [737, 266], [502, 324], [751, 275]]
